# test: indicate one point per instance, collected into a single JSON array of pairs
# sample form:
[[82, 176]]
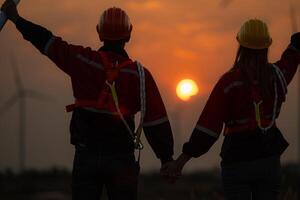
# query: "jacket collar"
[[122, 52]]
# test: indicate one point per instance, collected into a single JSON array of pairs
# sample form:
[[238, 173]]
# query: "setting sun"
[[186, 89]]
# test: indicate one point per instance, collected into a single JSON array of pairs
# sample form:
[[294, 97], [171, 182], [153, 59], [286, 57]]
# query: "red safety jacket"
[[232, 102], [88, 74], [231, 107], [96, 120]]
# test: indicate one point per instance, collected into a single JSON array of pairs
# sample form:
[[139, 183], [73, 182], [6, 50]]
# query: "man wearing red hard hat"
[[109, 89]]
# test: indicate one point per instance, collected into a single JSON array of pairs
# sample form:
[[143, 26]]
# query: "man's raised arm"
[[59, 51]]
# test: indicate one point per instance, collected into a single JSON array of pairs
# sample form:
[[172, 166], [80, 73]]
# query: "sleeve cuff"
[[189, 150]]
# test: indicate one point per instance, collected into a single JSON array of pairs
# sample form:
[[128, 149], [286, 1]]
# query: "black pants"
[[92, 171], [253, 180]]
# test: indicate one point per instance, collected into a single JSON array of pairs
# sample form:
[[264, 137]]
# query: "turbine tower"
[[20, 98]]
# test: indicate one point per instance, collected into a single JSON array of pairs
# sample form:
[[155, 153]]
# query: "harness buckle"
[[139, 145]]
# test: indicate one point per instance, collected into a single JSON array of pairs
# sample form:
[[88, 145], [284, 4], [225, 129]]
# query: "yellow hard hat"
[[254, 34]]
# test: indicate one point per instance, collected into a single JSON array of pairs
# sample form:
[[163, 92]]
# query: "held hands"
[[10, 9], [171, 171]]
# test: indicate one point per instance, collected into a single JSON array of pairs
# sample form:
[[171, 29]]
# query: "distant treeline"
[[55, 184]]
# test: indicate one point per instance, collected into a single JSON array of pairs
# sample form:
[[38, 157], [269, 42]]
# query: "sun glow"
[[186, 89]]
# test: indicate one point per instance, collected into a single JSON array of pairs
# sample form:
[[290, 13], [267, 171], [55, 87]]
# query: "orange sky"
[[175, 39]]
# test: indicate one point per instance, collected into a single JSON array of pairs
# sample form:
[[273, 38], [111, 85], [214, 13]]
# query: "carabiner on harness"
[[137, 138]]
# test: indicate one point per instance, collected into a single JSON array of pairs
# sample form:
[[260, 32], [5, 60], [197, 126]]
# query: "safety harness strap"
[[251, 125], [137, 134], [263, 124], [143, 105], [83, 103], [116, 101], [112, 72]]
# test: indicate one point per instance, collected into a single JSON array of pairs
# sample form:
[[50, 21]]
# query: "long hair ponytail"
[[255, 68]]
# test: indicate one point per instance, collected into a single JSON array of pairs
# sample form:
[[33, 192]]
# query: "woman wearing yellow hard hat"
[[247, 100]]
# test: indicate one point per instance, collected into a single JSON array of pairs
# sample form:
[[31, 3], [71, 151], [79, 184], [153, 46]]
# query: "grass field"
[[204, 185]]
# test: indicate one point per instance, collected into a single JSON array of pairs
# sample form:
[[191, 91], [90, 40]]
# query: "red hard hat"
[[114, 24]]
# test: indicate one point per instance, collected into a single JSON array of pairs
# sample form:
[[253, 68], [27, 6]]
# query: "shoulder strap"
[[137, 135], [111, 74], [143, 104], [281, 78]]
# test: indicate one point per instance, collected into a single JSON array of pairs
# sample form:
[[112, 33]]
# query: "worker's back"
[[101, 129], [109, 89]]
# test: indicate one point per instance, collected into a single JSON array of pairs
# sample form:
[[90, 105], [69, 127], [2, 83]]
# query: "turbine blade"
[[8, 104]]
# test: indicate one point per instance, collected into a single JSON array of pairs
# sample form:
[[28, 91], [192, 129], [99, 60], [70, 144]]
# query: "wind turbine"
[[20, 98]]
